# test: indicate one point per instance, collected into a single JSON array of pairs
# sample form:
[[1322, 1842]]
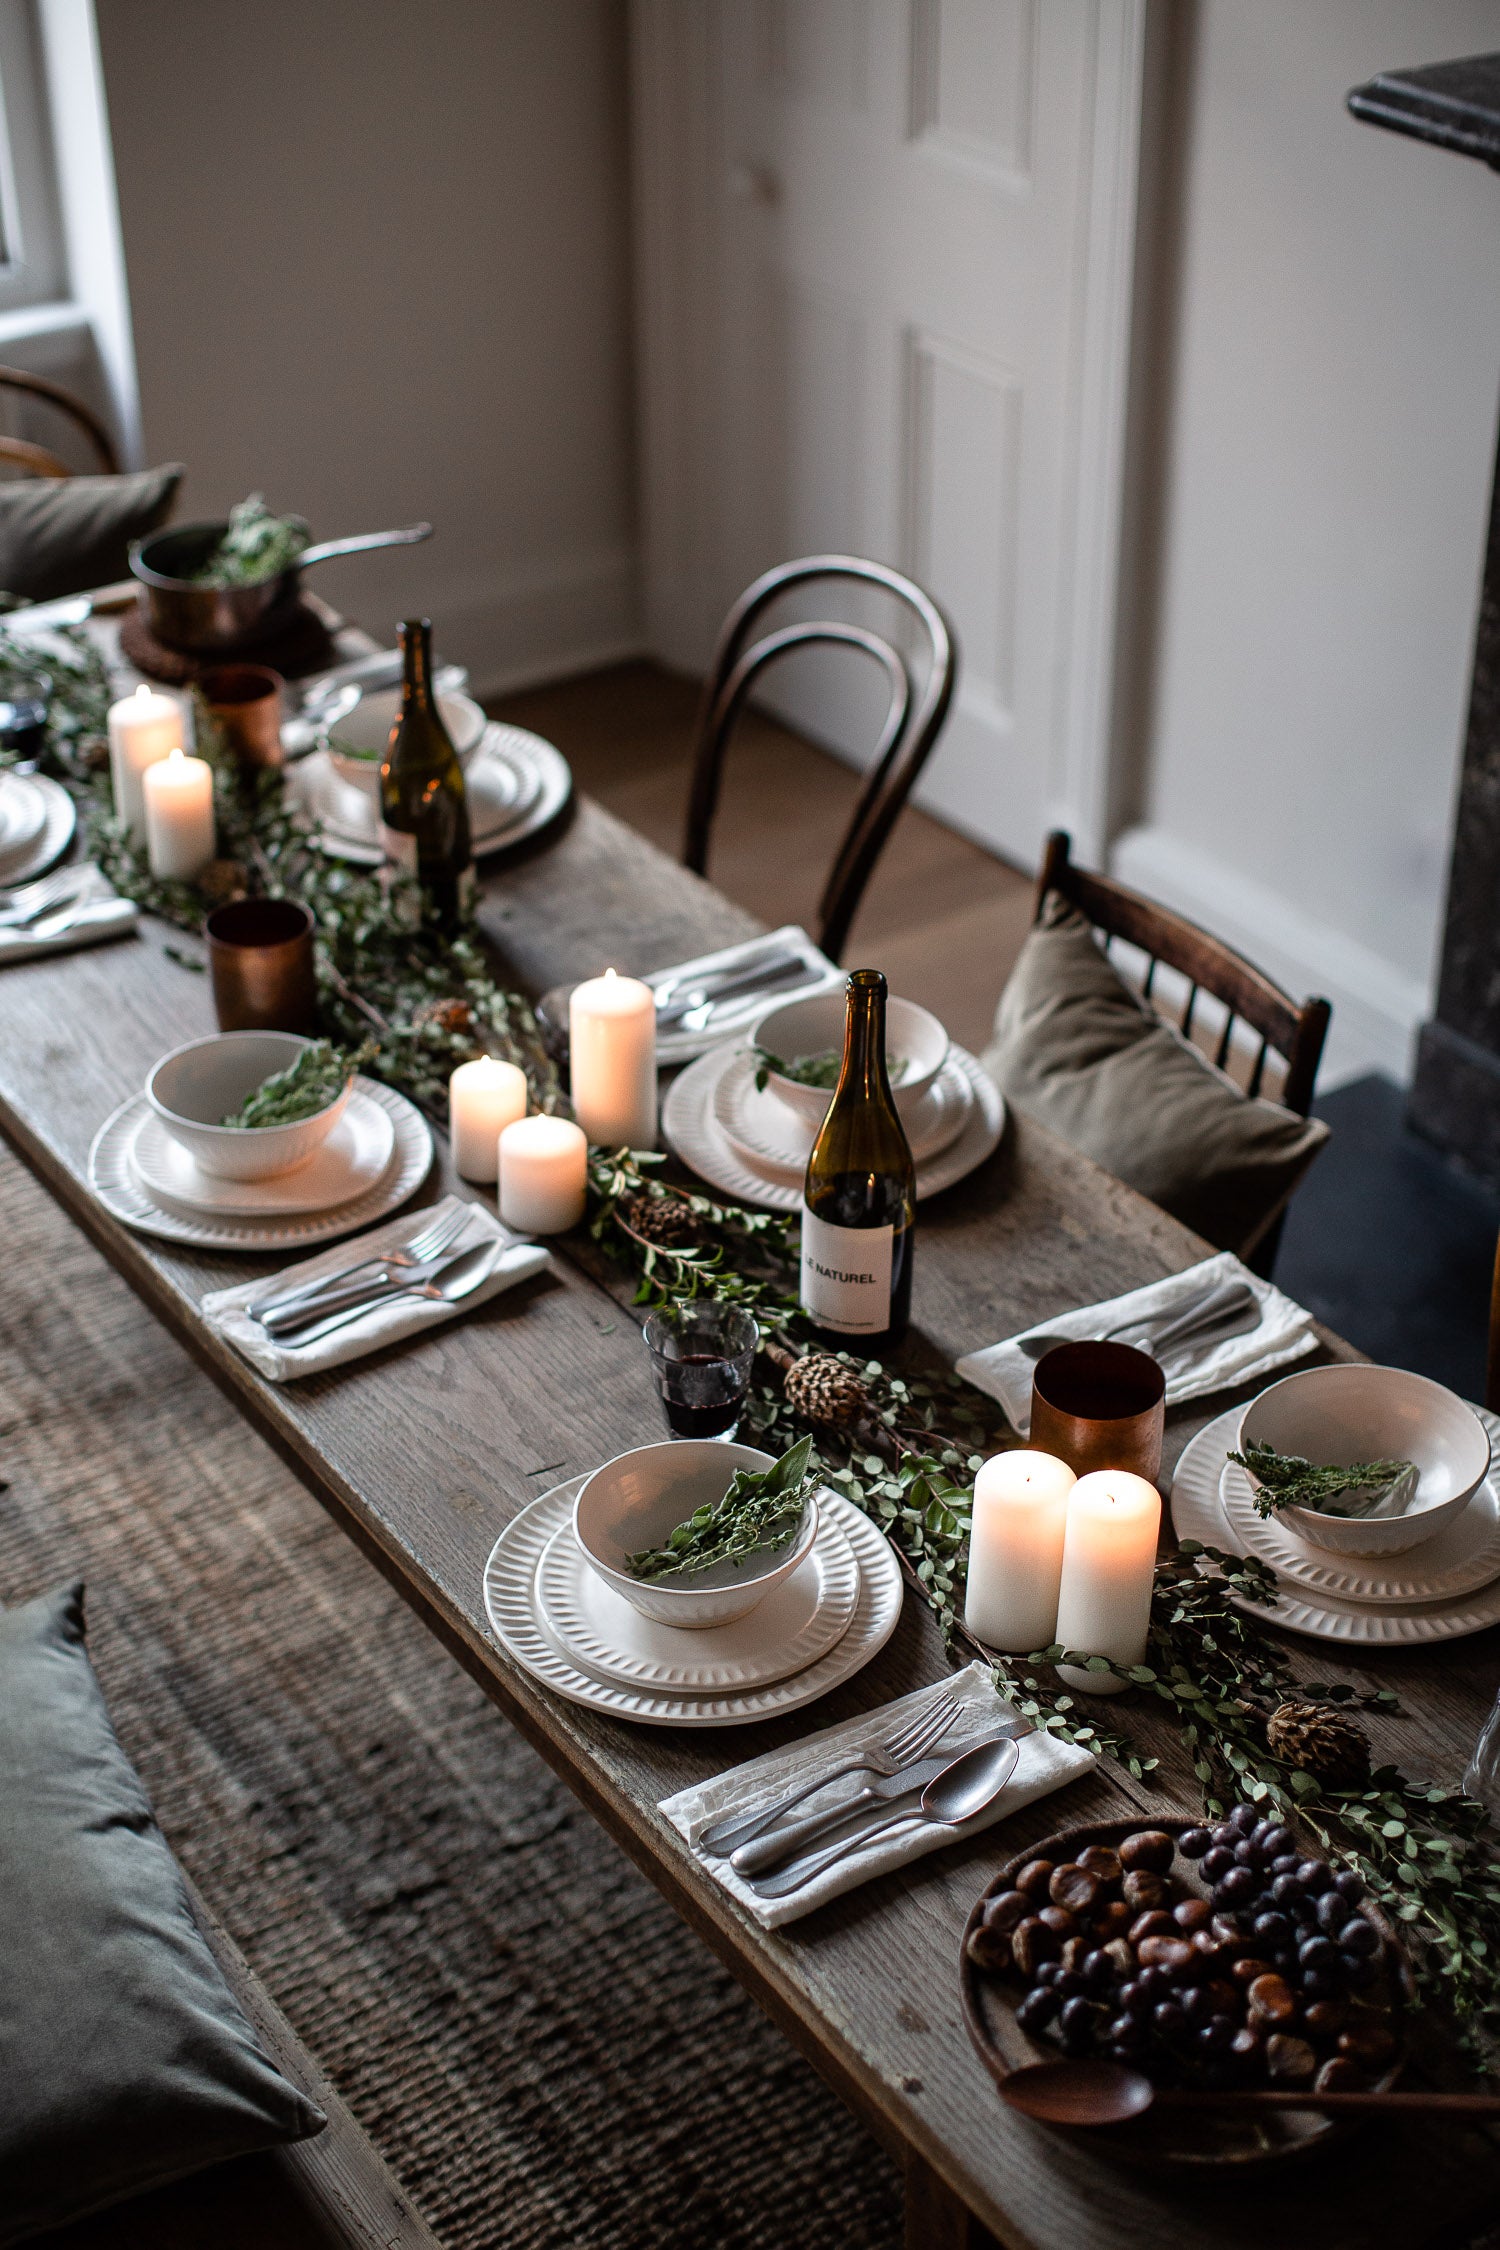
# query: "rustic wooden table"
[[425, 1453]]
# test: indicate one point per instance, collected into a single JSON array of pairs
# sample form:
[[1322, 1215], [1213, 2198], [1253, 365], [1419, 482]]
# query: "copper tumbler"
[[260, 955], [1099, 1406], [246, 700]]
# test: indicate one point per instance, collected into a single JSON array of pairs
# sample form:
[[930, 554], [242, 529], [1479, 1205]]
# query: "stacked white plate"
[[1439, 1591], [375, 1157], [517, 782], [755, 1146], [37, 819], [559, 1620]]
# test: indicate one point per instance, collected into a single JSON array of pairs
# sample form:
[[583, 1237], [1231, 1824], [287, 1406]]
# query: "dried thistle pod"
[[823, 1391], [1322, 1741], [453, 1016], [663, 1220]]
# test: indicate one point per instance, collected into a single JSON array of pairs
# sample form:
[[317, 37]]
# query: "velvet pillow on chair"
[[64, 535], [1075, 1048], [125, 2060]]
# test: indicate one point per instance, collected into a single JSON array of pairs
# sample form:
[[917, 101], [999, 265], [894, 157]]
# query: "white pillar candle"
[[543, 1175], [1109, 1562], [1016, 1550], [612, 1051], [143, 728], [179, 794], [483, 1098]]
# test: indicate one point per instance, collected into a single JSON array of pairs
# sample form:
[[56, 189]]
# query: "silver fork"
[[726, 1836], [28, 900], [417, 1251]]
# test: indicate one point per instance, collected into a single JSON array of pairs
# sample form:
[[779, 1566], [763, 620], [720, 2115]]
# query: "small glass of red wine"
[[701, 1355]]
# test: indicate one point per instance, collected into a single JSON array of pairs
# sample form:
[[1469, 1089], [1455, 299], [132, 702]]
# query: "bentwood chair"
[[1294, 1034], [1492, 1367], [38, 460], [920, 694]]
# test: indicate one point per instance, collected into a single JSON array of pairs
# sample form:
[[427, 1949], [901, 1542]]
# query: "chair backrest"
[[913, 720], [1492, 1365], [1295, 1034], [39, 460]]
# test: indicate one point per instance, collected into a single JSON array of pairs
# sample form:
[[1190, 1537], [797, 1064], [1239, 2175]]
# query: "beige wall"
[[378, 267], [1327, 377]]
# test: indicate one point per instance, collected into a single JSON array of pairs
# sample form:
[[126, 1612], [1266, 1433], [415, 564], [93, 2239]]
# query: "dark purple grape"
[[1194, 1842], [1099, 1973], [1279, 1840], [1288, 1864], [1317, 1953], [1349, 1885], [1286, 1891], [1126, 2038], [1069, 1985], [1155, 1982], [1217, 1863], [1197, 2006], [1077, 2024], [1226, 1837], [1359, 1939], [1270, 1928], [1170, 2020], [1324, 1984], [1316, 1876], [1359, 1973], [1334, 1911], [1247, 1853], [1228, 1928], [1284, 1961], [1135, 1998], [1305, 1912], [1243, 1817], [1047, 1973], [1237, 1888], [1215, 2036], [1037, 2009]]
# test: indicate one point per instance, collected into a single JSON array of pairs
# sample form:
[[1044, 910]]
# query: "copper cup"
[[246, 700], [1099, 1406], [260, 956]]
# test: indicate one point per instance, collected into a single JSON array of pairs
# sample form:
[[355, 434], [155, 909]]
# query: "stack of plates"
[[37, 819], [755, 1146], [560, 1620], [516, 782], [1439, 1591], [375, 1157]]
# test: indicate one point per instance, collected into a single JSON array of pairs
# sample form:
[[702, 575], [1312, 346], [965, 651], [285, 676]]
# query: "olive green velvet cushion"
[[1076, 1048], [124, 2059], [64, 535]]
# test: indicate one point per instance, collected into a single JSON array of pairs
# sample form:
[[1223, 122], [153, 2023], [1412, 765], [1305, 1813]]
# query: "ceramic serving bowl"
[[1338, 1414], [634, 1501], [356, 741], [914, 1040], [195, 1086]]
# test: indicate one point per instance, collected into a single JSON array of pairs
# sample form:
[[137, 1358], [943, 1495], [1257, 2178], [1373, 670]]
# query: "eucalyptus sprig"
[[1288, 1480], [761, 1510]]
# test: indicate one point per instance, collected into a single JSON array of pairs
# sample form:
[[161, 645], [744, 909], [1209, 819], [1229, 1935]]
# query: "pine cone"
[[664, 1220], [1321, 1740], [454, 1016], [825, 1392]]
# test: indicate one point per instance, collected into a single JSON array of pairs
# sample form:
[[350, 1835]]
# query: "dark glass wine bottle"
[[424, 806], [859, 1200]]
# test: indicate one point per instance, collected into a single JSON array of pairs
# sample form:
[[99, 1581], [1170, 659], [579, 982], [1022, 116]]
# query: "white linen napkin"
[[735, 1015], [102, 915], [1284, 1332], [1044, 1764], [386, 1323]]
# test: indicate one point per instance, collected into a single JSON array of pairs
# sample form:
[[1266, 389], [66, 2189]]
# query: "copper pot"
[[183, 615]]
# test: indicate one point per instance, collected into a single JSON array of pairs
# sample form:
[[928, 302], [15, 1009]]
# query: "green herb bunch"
[[1286, 1480], [304, 1088], [256, 546], [761, 1511], [806, 1070]]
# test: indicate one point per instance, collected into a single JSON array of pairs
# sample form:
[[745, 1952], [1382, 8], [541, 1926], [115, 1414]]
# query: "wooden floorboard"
[[943, 918]]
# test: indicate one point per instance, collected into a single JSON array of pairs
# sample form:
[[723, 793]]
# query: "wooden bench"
[[329, 2193]]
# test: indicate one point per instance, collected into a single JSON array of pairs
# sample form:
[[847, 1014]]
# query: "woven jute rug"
[[542, 2053]]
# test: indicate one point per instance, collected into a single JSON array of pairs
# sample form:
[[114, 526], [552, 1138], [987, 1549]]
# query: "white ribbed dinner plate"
[[695, 1135], [49, 838], [778, 1139], [798, 1621], [1198, 1513], [1459, 1558], [119, 1187], [23, 815], [512, 1604], [353, 1159]]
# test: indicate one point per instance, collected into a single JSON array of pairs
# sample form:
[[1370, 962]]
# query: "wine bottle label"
[[400, 850], [846, 1275], [398, 873]]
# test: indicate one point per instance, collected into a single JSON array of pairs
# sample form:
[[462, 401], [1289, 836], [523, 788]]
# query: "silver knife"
[[694, 1014], [702, 982], [318, 1305]]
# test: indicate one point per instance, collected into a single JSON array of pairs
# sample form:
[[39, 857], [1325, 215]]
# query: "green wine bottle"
[[859, 1200], [424, 806]]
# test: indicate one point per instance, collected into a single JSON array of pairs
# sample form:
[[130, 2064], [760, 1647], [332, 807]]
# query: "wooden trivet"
[[301, 644]]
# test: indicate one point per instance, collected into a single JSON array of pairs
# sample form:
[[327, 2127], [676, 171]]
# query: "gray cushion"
[[1076, 1048], [63, 535], [124, 2059]]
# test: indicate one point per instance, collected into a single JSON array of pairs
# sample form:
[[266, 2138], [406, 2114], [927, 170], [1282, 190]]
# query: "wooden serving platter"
[[1181, 2129]]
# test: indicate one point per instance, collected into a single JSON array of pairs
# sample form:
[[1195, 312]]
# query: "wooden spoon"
[[1087, 2091]]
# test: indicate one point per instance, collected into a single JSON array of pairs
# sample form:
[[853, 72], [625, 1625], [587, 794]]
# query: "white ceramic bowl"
[[913, 1038], [195, 1086], [1337, 1414], [356, 742], [632, 1502]]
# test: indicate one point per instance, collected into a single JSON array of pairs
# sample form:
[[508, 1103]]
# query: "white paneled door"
[[884, 252]]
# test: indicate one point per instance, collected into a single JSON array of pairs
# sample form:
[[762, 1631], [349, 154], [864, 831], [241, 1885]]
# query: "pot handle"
[[407, 537]]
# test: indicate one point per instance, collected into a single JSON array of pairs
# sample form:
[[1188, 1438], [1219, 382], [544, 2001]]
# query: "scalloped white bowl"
[[632, 1502], [811, 1027], [196, 1085]]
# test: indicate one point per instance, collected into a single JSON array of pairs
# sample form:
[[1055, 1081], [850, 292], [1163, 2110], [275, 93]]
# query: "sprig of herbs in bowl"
[[1289, 1480], [760, 1513], [255, 546], [821, 1070], [305, 1088]]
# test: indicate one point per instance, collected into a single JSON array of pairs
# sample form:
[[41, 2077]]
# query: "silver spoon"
[[467, 1274], [966, 1787]]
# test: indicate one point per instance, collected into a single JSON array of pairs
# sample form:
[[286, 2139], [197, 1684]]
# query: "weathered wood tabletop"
[[425, 1452]]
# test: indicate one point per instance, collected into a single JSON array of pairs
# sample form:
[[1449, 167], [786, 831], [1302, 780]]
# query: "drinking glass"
[[700, 1359], [1099, 1406], [1482, 1774], [23, 714]]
